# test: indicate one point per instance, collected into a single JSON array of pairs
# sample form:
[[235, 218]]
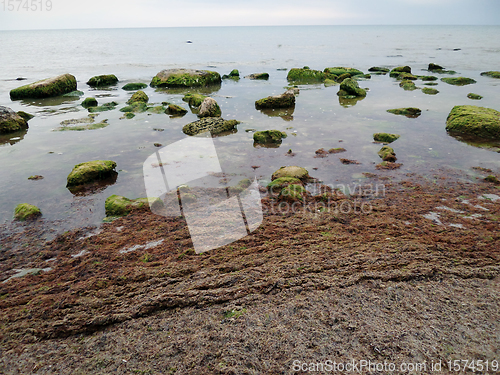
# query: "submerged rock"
[[458, 81], [492, 74], [269, 136], [428, 78], [102, 80], [291, 171], [349, 87], [102, 108], [476, 121], [385, 137], [194, 100], [89, 102], [185, 78], [215, 125], [305, 75], [136, 107], [264, 76], [25, 211], [45, 88], [91, 171], [473, 96], [132, 86], [285, 100], [209, 108], [25, 115], [408, 112], [11, 121]]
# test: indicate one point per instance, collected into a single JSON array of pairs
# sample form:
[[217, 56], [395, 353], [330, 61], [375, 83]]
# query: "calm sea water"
[[319, 119]]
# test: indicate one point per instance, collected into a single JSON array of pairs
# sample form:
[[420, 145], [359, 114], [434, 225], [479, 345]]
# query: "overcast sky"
[[74, 14]]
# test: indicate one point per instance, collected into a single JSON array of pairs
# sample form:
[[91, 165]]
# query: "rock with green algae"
[[117, 205], [136, 107], [74, 94], [428, 78], [339, 70], [293, 193], [473, 96], [269, 136], [291, 171], [408, 111], [103, 108], [209, 108], [406, 76], [475, 121], [387, 154], [349, 87], [11, 121], [491, 73], [89, 102], [234, 74], [138, 97], [91, 171], [215, 125], [285, 100], [493, 179], [194, 100], [433, 66], [430, 91], [132, 86], [103, 80], [385, 137], [46, 88], [305, 75], [399, 70], [185, 78], [263, 76], [408, 85], [458, 81], [175, 110], [278, 184], [378, 69], [26, 211]]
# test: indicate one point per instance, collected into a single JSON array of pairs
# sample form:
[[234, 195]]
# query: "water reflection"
[[285, 113], [347, 102], [487, 144], [93, 187], [12, 138]]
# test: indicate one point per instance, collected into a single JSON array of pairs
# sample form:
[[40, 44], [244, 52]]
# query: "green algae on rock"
[[408, 85], [26, 211], [103, 108], [458, 81], [89, 102], [215, 125], [185, 78], [428, 78], [91, 171], [285, 100], [132, 86], [475, 121], [339, 70], [491, 73], [138, 97], [194, 100], [408, 111], [349, 87], [136, 107], [473, 96], [278, 184], [430, 91], [305, 76], [117, 205], [102, 80], [45, 88], [25, 115], [387, 154], [175, 110], [395, 72], [379, 70], [293, 193], [385, 137], [269, 136], [11, 121], [234, 74], [433, 66], [291, 171]]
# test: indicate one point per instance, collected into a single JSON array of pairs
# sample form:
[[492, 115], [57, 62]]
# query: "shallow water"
[[319, 120]]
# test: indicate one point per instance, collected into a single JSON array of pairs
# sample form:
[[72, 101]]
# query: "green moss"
[[194, 100], [269, 136], [470, 95], [408, 85], [45, 88], [458, 81], [285, 100], [428, 78], [129, 115], [278, 184], [407, 76], [134, 86], [139, 96], [330, 82], [74, 94], [91, 171], [349, 87], [492, 74], [102, 80], [102, 108], [25, 211], [117, 205], [89, 102], [156, 109], [336, 150], [476, 121], [378, 69], [339, 70], [137, 107], [185, 78], [293, 192], [430, 91], [387, 154], [292, 171], [398, 70], [385, 137], [492, 179], [408, 112], [175, 110], [234, 74], [305, 76]]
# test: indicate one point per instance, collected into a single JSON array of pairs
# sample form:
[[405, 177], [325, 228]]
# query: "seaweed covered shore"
[[415, 279]]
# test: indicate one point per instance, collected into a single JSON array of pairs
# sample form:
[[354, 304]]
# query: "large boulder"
[[476, 121], [185, 78], [215, 125], [10, 121], [209, 108], [285, 100], [91, 171], [349, 87], [45, 88]]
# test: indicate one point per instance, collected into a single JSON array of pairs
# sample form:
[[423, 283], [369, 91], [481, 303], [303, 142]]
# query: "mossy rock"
[[341, 78], [407, 85], [116, 205], [175, 110], [339, 70], [458, 81], [91, 126], [305, 76], [408, 111], [349, 87], [215, 125], [428, 78], [293, 193], [25, 211], [103, 108], [89, 102], [285, 100], [387, 154], [209, 108], [102, 80], [185, 78], [234, 74], [45, 88], [493, 179], [134, 86], [385, 137], [277, 185], [269, 136], [473, 96], [475, 121], [25, 115], [11, 121], [330, 82], [129, 115], [91, 171], [138, 97], [407, 76], [433, 67], [194, 100], [491, 73], [262, 76], [291, 171], [137, 107], [430, 91], [378, 69], [398, 70]]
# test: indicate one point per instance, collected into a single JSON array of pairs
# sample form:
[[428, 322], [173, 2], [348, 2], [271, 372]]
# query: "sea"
[[319, 120]]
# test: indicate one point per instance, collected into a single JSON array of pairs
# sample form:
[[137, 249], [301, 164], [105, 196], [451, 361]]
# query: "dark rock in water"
[[476, 121], [408, 112], [138, 97], [492, 74], [134, 86], [269, 136], [45, 88], [25, 211], [10, 121], [385, 137], [215, 125], [209, 108], [21, 79], [25, 115], [457, 49], [103, 80], [305, 76], [89, 102], [91, 171], [285, 100], [175, 110], [432, 67], [349, 87], [185, 78], [336, 150], [458, 81], [264, 76], [473, 96]]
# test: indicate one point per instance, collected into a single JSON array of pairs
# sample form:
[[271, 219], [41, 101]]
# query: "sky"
[[78, 14]]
